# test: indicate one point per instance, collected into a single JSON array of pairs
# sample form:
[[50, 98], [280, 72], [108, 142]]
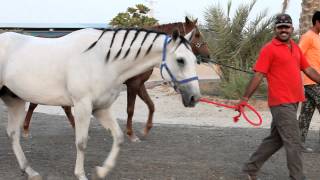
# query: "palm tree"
[[236, 41], [308, 7]]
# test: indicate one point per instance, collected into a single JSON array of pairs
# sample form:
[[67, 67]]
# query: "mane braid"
[[134, 38], [114, 35], [124, 39], [138, 30], [144, 39], [94, 43], [154, 39], [184, 42]]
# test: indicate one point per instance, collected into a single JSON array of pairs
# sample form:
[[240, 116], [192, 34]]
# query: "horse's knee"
[[82, 145], [11, 135]]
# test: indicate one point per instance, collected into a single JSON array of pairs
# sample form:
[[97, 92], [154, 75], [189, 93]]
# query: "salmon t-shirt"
[[310, 47]]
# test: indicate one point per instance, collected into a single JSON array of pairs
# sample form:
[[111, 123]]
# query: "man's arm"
[[253, 85], [312, 74]]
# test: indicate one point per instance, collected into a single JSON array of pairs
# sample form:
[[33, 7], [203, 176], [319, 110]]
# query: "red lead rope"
[[240, 109]]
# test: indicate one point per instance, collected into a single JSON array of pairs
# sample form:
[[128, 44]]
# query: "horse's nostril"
[[192, 99]]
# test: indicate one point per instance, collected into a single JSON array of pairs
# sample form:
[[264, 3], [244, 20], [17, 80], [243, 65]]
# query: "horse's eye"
[[180, 61], [197, 35]]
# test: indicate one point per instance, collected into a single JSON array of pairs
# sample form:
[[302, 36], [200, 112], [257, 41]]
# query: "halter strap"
[[164, 65]]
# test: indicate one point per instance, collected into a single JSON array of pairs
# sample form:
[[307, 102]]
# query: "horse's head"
[[198, 45], [178, 66]]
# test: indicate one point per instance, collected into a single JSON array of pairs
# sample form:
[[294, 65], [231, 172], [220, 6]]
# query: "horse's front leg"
[[28, 119], [109, 122], [82, 114], [16, 115], [143, 94]]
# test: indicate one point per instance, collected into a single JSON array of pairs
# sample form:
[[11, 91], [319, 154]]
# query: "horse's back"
[[32, 64], [77, 41]]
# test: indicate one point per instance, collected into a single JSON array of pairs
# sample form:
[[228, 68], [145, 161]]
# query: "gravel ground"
[[185, 144]]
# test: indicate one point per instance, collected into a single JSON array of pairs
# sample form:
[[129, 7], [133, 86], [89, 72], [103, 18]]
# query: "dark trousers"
[[312, 94], [284, 132]]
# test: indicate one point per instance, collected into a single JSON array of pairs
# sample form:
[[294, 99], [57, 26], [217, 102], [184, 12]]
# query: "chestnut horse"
[[136, 86]]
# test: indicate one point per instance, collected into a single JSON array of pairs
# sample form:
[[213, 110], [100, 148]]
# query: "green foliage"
[[134, 17], [236, 41], [234, 88]]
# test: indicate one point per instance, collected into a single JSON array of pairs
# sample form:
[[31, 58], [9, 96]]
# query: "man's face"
[[283, 33], [317, 25]]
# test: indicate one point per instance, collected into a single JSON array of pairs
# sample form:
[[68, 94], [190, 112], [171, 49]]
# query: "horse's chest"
[[106, 99]]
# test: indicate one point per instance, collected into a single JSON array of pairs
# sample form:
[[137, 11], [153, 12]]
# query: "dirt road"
[[185, 144]]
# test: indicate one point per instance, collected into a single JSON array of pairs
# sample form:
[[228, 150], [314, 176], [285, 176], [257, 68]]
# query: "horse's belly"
[[55, 96], [40, 86]]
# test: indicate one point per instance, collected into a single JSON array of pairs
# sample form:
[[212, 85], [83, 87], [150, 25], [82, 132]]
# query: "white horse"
[[85, 70]]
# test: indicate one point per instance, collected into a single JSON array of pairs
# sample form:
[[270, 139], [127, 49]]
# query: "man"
[[281, 62], [310, 47]]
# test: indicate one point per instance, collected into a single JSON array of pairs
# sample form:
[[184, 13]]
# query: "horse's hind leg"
[[28, 119], [143, 94], [16, 115], [82, 114], [108, 122], [131, 99], [67, 110]]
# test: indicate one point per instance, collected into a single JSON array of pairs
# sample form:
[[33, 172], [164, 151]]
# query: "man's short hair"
[[316, 17]]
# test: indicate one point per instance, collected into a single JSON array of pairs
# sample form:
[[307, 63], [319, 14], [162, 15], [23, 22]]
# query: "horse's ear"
[[190, 35], [188, 21], [175, 34], [195, 21]]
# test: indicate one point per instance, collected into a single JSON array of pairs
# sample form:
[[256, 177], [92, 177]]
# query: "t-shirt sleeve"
[[304, 43], [264, 60], [303, 61]]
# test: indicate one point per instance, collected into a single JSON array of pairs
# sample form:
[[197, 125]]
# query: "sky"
[[102, 11]]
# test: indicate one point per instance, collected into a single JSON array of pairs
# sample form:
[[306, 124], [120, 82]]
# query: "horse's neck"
[[133, 67], [168, 28]]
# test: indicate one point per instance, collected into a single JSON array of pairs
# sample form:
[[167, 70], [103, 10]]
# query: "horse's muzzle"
[[192, 101], [189, 97]]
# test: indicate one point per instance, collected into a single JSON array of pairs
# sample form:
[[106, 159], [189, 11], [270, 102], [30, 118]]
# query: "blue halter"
[[164, 65]]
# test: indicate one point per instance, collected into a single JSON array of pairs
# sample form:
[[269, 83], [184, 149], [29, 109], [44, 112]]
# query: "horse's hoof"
[[36, 177], [145, 132], [134, 138], [83, 177], [95, 175], [26, 134]]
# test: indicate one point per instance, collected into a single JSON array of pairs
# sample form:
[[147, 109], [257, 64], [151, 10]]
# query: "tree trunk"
[[308, 7]]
